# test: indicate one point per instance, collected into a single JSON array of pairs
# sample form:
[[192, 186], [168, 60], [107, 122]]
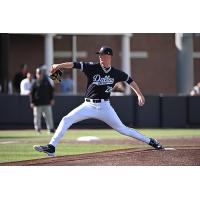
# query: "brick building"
[[153, 56]]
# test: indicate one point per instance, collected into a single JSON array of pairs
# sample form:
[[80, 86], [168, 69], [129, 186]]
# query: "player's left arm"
[[136, 89]]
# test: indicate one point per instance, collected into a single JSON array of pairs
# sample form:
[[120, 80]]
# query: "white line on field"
[[9, 142]]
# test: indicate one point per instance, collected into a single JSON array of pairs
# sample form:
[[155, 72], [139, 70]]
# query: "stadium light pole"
[[126, 59], [184, 62]]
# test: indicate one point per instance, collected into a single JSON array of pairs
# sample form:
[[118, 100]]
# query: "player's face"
[[105, 60]]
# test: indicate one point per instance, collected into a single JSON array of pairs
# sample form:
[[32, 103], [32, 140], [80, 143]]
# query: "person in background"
[[42, 99], [26, 84], [19, 77], [195, 90], [66, 85]]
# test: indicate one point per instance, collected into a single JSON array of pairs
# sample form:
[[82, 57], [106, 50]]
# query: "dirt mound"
[[181, 156]]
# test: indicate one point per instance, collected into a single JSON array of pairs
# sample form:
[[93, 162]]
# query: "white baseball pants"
[[102, 111]]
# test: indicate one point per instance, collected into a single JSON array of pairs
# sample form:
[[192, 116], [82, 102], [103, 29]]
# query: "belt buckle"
[[97, 100], [94, 100]]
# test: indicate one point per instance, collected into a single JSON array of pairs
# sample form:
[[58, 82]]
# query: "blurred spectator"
[[44, 69], [10, 87], [26, 84], [118, 89], [41, 98], [66, 85], [19, 77], [195, 90]]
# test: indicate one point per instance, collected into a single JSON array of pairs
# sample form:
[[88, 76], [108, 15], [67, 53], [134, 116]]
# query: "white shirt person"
[[26, 84]]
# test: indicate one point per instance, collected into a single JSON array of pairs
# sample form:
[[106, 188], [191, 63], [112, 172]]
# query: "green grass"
[[22, 142]]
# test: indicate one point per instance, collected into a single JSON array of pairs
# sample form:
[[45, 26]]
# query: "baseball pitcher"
[[101, 78]]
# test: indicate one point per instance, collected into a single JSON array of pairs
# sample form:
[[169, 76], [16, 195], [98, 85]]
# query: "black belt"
[[95, 100]]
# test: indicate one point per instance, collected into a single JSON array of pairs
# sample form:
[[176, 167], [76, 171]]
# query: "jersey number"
[[109, 89]]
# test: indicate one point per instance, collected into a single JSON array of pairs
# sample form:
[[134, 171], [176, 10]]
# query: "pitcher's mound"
[[187, 156]]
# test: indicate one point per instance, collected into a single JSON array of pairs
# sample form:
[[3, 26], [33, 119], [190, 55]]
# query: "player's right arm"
[[134, 86], [66, 65]]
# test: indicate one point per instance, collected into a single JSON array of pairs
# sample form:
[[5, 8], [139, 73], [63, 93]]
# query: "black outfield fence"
[[158, 111]]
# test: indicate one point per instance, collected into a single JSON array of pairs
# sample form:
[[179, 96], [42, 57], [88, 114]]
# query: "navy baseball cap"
[[105, 51]]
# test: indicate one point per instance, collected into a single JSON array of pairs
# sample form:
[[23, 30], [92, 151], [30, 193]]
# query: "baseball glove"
[[56, 76]]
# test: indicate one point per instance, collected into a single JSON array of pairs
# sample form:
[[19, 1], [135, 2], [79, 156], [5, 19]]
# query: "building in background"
[[153, 56]]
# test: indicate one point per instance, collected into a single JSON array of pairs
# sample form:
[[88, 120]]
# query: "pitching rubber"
[[169, 149]]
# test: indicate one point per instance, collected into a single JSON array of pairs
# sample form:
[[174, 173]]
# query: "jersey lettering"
[[98, 80]]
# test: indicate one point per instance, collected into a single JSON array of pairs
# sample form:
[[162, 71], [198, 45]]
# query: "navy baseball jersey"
[[101, 80]]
